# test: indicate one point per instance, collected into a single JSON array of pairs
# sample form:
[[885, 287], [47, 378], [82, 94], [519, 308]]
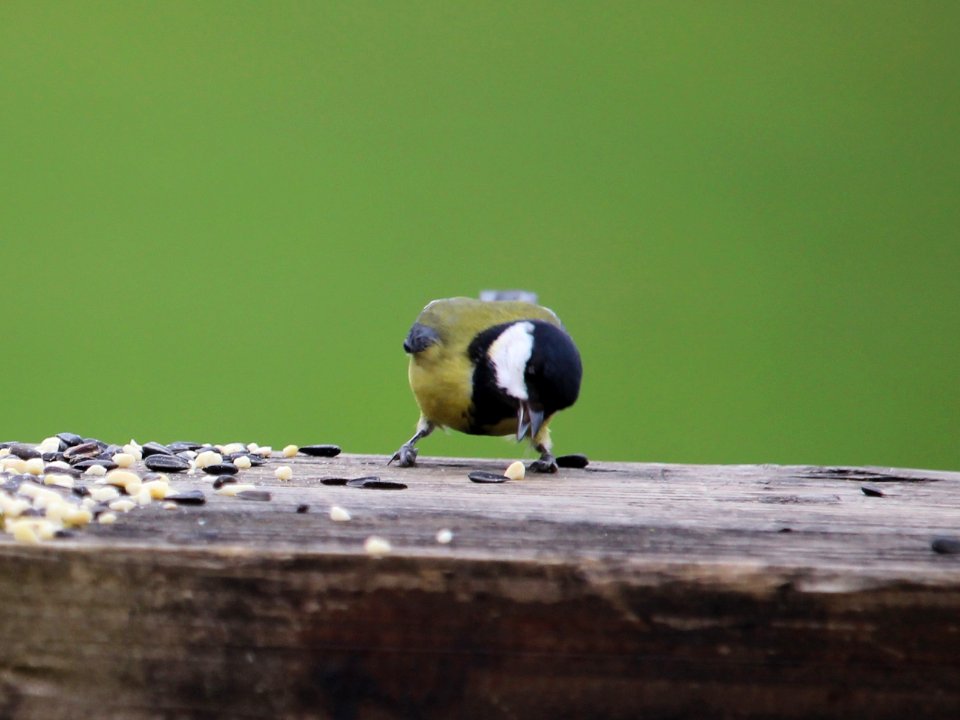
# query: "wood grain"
[[619, 590]]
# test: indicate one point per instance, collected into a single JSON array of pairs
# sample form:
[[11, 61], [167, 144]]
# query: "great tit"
[[490, 368]]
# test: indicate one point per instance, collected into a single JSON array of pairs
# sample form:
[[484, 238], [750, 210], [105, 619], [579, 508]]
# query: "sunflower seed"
[[189, 497], [946, 545], [261, 495], [303, 508], [86, 464], [320, 450], [167, 463], [69, 439], [223, 468], [334, 481], [576, 460], [83, 451], [223, 480], [481, 476], [181, 445], [24, 451], [154, 448], [375, 483], [871, 491]]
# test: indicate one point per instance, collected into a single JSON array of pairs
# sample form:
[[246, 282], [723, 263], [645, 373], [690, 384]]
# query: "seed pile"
[[52, 488]]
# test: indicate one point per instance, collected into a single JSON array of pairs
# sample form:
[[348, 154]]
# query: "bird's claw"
[[545, 464], [406, 456]]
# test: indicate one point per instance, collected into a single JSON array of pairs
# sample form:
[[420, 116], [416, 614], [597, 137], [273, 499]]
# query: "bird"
[[490, 367]]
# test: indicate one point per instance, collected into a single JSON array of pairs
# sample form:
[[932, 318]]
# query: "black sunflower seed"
[[321, 450], [71, 470], [334, 481], [80, 490], [167, 463], [181, 445], [946, 545], [303, 508], [261, 495], [189, 497], [575, 460], [871, 491], [86, 464], [154, 448], [221, 469], [51, 457], [375, 483], [69, 439], [223, 480], [24, 451], [83, 451], [481, 476]]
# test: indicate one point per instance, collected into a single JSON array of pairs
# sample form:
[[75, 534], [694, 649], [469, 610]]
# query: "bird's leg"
[[407, 454], [547, 463]]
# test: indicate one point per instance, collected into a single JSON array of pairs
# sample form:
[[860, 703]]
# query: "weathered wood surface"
[[620, 590]]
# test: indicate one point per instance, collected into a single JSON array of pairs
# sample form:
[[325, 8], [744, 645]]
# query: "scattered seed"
[[303, 508], [49, 446], [69, 439], [34, 466], [515, 471], [223, 468], [576, 460], [283, 473], [189, 497], [208, 457], [96, 470], [375, 483], [60, 467], [85, 465], [946, 545], [377, 546], [106, 493], [444, 536], [265, 451], [122, 505], [231, 448], [242, 462], [261, 495], [339, 514], [871, 491], [154, 448], [231, 490], [481, 476], [64, 481], [127, 479], [24, 451], [124, 460], [158, 489], [290, 451], [167, 463], [321, 450], [107, 518], [169, 506], [334, 481], [25, 533], [182, 445], [222, 480]]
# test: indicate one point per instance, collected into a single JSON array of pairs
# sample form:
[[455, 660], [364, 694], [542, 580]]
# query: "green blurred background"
[[219, 219]]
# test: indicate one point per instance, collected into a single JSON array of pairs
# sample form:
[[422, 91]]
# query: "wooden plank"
[[618, 590]]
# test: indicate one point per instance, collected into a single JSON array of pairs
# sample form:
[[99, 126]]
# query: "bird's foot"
[[406, 456], [546, 464]]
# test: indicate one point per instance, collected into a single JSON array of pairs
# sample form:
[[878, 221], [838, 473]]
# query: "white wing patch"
[[509, 354]]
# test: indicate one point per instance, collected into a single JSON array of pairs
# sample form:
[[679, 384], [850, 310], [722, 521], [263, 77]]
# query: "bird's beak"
[[529, 420]]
